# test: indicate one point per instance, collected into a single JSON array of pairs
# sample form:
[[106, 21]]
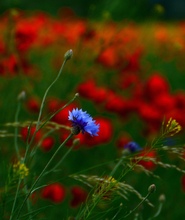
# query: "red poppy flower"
[[115, 103], [25, 132], [47, 144], [108, 57], [54, 192], [147, 163], [33, 105], [79, 195], [156, 86], [104, 135], [62, 116]]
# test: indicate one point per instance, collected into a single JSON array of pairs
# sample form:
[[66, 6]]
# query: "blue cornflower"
[[81, 121], [132, 147]]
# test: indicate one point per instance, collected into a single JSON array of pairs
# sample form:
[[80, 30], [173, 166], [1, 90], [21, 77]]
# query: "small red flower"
[[183, 183], [145, 161], [79, 195], [87, 88], [33, 105], [104, 135], [115, 103], [108, 57], [54, 192], [62, 116], [27, 133], [156, 86], [47, 144], [122, 141]]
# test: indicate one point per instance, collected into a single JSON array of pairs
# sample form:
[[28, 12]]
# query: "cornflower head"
[[20, 170], [82, 122], [132, 147]]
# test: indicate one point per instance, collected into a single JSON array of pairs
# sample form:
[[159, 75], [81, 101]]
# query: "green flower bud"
[[152, 188], [68, 54]]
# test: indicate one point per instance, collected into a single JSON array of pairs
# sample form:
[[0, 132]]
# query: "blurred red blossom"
[[105, 134], [47, 144], [145, 161], [62, 116], [183, 183], [79, 195], [28, 132], [156, 86], [33, 105], [54, 192]]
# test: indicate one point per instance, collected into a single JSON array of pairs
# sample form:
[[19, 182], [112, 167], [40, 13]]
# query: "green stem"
[[46, 92], [41, 174], [65, 155], [42, 106], [158, 211], [117, 165], [16, 130], [133, 210], [15, 199], [28, 201]]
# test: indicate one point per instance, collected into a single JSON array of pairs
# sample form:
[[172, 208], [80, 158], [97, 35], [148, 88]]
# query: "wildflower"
[[33, 105], [172, 127], [146, 159], [105, 134], [68, 55], [81, 121], [54, 192], [47, 144], [20, 170], [79, 196], [27, 133], [132, 147], [105, 188], [152, 188]]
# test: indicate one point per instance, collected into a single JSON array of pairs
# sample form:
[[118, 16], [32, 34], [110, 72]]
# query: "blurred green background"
[[138, 10], [117, 10]]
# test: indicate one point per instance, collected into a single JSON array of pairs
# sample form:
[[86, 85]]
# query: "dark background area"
[[138, 10]]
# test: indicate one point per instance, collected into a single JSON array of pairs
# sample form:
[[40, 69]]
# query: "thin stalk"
[[46, 92], [41, 174], [16, 130], [133, 210], [28, 202], [15, 199], [117, 165], [42, 105], [65, 155]]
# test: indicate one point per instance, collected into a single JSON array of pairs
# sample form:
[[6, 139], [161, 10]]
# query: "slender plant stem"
[[15, 199], [117, 165], [42, 106], [16, 130], [158, 211], [46, 92], [28, 201], [131, 211], [41, 174]]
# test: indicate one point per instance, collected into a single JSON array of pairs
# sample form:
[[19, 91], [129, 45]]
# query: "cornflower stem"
[[16, 130], [57, 165], [133, 210], [41, 174], [46, 92], [42, 106]]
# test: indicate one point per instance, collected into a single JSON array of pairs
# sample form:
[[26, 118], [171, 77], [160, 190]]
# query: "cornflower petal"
[[82, 121]]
